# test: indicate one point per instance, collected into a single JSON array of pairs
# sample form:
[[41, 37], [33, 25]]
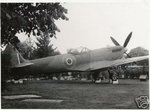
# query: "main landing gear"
[[113, 77], [95, 77]]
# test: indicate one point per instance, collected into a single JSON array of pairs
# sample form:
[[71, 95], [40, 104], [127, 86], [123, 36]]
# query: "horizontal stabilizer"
[[22, 65]]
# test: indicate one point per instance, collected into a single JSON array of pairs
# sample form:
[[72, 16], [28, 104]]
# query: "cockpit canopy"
[[79, 50]]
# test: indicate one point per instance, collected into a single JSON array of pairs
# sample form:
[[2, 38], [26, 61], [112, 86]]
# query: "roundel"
[[69, 61]]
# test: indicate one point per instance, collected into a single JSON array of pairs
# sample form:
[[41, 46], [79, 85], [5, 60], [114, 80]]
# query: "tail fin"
[[16, 58]]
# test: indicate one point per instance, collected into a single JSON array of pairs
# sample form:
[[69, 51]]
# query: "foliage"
[[44, 47], [139, 51], [27, 48], [30, 18]]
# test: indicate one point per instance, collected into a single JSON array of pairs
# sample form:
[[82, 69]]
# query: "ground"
[[77, 94]]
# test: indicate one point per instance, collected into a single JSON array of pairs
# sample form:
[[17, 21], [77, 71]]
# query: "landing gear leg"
[[95, 76], [113, 77]]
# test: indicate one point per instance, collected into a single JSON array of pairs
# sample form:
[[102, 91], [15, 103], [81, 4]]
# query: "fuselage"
[[66, 62]]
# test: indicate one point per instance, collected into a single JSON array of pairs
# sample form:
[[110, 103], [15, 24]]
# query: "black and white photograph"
[[75, 55]]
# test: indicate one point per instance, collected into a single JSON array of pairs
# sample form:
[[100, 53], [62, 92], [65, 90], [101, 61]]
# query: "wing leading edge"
[[106, 64]]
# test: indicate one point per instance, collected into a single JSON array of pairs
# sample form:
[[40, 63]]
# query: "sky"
[[91, 25]]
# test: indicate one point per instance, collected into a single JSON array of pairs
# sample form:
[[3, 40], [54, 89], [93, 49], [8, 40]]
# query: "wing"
[[106, 64]]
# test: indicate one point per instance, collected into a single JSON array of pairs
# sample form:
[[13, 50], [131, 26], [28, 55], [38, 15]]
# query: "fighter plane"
[[93, 60]]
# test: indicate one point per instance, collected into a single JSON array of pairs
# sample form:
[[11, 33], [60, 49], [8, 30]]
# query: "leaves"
[[44, 47], [30, 18], [26, 48], [138, 51]]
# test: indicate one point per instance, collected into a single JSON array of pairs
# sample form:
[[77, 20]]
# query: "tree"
[[30, 18], [27, 48], [139, 51], [44, 47]]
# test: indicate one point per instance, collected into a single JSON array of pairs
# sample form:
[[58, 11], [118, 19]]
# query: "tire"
[[114, 77]]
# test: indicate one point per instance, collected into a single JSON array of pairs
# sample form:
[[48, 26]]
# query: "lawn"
[[77, 94]]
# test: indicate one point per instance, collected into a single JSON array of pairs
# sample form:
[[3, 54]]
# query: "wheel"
[[114, 77]]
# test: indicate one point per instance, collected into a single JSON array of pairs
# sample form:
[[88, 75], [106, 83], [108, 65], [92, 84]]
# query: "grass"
[[77, 94]]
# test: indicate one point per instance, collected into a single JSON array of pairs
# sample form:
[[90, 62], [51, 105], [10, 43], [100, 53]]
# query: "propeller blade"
[[127, 40], [114, 41], [127, 55]]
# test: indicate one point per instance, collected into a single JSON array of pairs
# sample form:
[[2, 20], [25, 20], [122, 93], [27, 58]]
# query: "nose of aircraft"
[[125, 50]]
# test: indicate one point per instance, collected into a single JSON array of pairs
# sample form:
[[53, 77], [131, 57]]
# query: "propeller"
[[127, 40], [127, 55], [114, 41], [125, 43]]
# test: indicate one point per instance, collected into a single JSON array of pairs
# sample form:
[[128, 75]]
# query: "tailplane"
[[16, 59]]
